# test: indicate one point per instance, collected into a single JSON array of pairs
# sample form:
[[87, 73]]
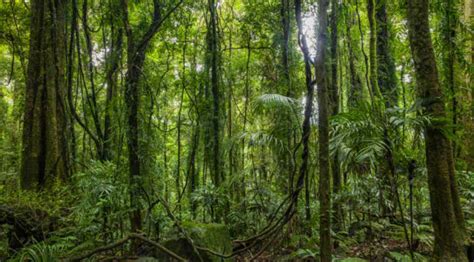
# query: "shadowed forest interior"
[[236, 130]]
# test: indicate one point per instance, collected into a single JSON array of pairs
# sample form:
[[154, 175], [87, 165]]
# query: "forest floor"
[[381, 249]]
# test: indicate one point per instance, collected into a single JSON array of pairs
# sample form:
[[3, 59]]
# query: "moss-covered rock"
[[215, 237]]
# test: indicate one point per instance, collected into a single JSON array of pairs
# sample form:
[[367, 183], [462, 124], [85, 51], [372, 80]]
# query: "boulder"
[[215, 237]]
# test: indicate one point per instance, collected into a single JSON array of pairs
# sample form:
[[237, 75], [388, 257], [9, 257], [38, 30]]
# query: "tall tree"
[[323, 132], [283, 121], [212, 61], [285, 43], [111, 76], [449, 48], [136, 54], [44, 152], [372, 48], [355, 92], [308, 109], [386, 74], [334, 105], [387, 85], [91, 89], [445, 206]]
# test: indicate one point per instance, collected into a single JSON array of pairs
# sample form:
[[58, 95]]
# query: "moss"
[[215, 237]]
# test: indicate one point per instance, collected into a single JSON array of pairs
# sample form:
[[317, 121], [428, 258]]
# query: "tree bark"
[[136, 54], [323, 134], [372, 48], [283, 122], [386, 75], [213, 74], [387, 85], [355, 92], [448, 222], [286, 30], [44, 152], [308, 109], [334, 104], [449, 59], [111, 80]]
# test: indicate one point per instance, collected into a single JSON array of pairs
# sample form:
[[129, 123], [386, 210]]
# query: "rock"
[[215, 237]]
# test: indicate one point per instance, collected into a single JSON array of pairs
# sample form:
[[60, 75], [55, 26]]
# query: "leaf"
[[276, 100], [304, 253]]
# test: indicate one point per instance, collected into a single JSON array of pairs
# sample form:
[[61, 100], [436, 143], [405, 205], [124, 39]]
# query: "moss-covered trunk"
[[111, 77], [372, 48], [387, 84], [323, 133], [445, 207], [44, 152], [386, 75], [212, 61], [355, 91]]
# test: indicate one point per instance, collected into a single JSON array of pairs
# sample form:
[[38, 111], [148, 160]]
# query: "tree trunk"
[[367, 63], [44, 152], [92, 98], [386, 75], [132, 98], [387, 84], [111, 80], [323, 134], [136, 54], [192, 173], [334, 104], [447, 217], [308, 109], [372, 48], [286, 30], [213, 74], [355, 92], [284, 122], [449, 59]]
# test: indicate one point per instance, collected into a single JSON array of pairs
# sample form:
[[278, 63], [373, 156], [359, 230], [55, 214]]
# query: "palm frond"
[[276, 101]]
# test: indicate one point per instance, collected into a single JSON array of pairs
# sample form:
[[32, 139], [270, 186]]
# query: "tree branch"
[[156, 24]]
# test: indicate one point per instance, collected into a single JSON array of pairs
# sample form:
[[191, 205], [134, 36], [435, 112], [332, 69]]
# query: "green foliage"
[[261, 139], [357, 138], [277, 102], [45, 251], [103, 200], [304, 254], [260, 116], [39, 253], [403, 257], [212, 199]]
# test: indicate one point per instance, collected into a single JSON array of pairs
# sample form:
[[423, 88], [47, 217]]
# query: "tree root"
[[122, 242]]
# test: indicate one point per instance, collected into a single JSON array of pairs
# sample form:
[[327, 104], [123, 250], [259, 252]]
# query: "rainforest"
[[237, 130]]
